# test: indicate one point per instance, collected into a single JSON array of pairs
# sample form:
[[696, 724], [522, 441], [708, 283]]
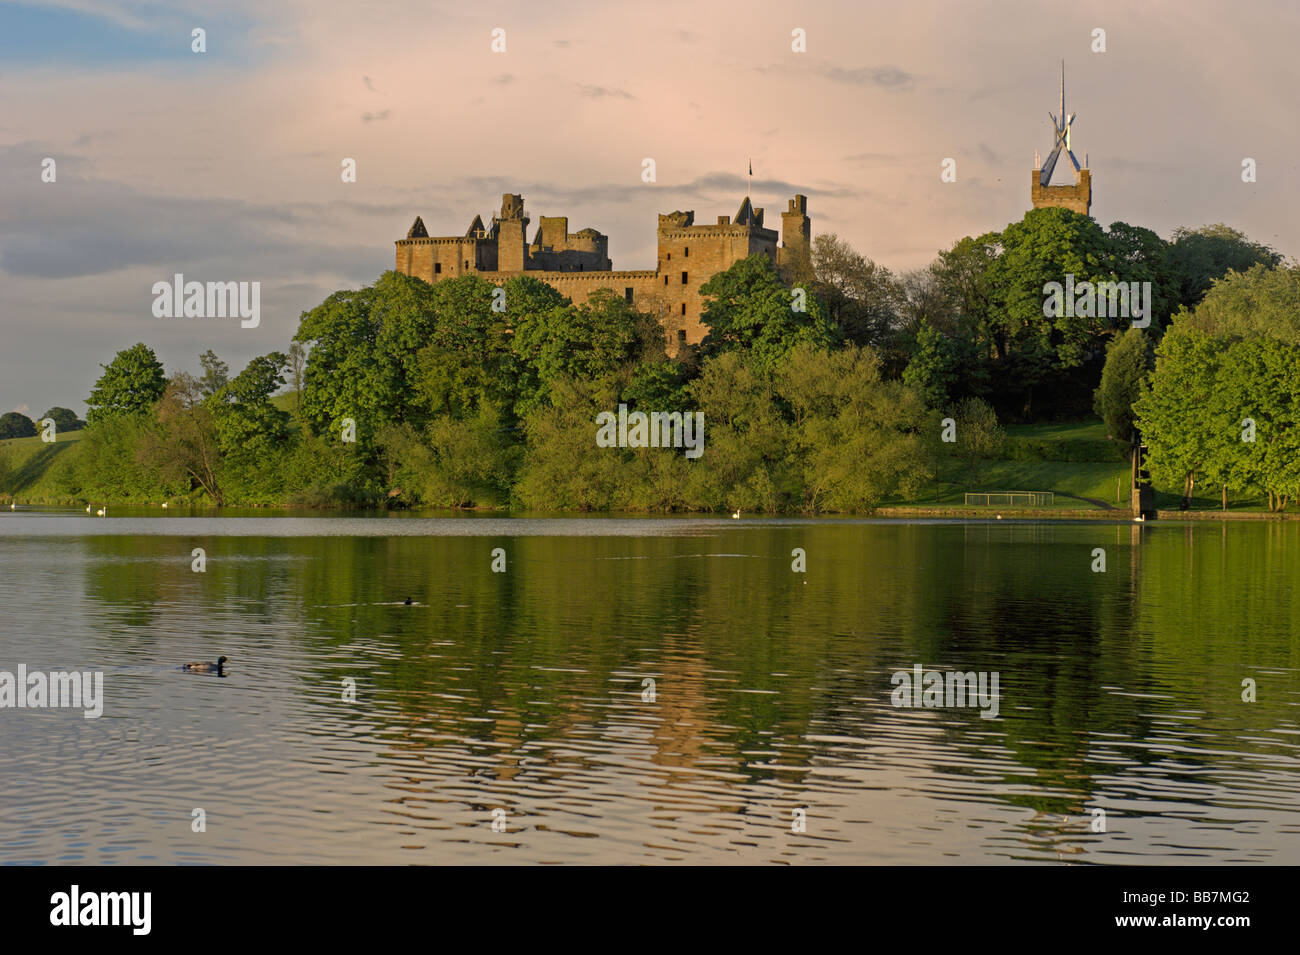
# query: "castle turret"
[[512, 247], [796, 235]]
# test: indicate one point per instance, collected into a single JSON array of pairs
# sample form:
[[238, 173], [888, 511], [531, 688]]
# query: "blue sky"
[[32, 35]]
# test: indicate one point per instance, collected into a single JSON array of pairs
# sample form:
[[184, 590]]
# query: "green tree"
[[65, 419], [564, 468], [1177, 436], [1200, 256], [858, 437], [979, 436], [861, 297], [15, 424], [216, 373], [932, 370], [363, 353], [183, 447], [747, 462], [1129, 358], [1046, 246], [131, 383], [747, 308], [599, 338], [1260, 302]]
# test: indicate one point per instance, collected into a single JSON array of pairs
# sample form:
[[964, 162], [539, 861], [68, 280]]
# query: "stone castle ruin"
[[577, 263]]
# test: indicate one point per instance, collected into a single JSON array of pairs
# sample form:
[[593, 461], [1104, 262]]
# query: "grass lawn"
[[1091, 484], [27, 465], [1059, 430]]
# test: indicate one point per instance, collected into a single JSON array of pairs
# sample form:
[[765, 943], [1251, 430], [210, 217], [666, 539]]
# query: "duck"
[[407, 601], [207, 667]]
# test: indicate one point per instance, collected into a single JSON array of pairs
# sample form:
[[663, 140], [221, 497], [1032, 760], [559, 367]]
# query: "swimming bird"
[[87, 508], [736, 516], [102, 511], [207, 667], [408, 601], [12, 506], [164, 503]]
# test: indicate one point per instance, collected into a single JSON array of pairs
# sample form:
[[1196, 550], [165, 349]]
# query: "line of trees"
[[414, 393]]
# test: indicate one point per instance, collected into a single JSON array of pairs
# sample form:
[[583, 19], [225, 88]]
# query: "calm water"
[[523, 691]]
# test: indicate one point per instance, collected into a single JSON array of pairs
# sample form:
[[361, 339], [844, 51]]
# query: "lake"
[[510, 717]]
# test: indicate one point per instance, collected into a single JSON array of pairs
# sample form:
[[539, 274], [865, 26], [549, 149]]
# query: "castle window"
[[670, 256], [467, 263], [683, 278], [627, 294], [686, 252], [681, 336], [437, 268], [665, 280], [683, 308]]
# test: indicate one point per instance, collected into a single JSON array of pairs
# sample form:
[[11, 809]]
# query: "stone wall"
[[1076, 198]]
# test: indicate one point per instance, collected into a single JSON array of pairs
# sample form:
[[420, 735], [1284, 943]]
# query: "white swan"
[[736, 516], [102, 511], [164, 503]]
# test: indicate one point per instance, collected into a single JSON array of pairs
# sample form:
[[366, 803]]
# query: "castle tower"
[[1078, 197], [795, 253], [512, 224]]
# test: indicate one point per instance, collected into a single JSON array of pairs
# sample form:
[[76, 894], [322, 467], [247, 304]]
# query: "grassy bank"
[[30, 468]]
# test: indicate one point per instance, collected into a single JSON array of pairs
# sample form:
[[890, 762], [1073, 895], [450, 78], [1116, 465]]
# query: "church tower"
[[1078, 197]]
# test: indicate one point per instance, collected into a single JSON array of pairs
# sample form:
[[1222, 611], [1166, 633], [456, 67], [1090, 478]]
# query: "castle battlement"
[[577, 263]]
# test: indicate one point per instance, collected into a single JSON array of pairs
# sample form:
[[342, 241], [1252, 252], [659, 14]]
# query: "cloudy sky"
[[225, 165]]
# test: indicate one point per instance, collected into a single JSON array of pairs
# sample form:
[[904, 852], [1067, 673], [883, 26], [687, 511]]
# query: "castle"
[[577, 263]]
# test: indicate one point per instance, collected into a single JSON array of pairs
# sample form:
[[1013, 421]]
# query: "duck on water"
[[218, 668]]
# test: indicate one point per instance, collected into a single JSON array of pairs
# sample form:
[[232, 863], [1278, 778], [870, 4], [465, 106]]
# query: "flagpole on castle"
[[750, 182]]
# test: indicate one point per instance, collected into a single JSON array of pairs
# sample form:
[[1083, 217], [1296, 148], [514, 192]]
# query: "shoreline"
[[900, 512]]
